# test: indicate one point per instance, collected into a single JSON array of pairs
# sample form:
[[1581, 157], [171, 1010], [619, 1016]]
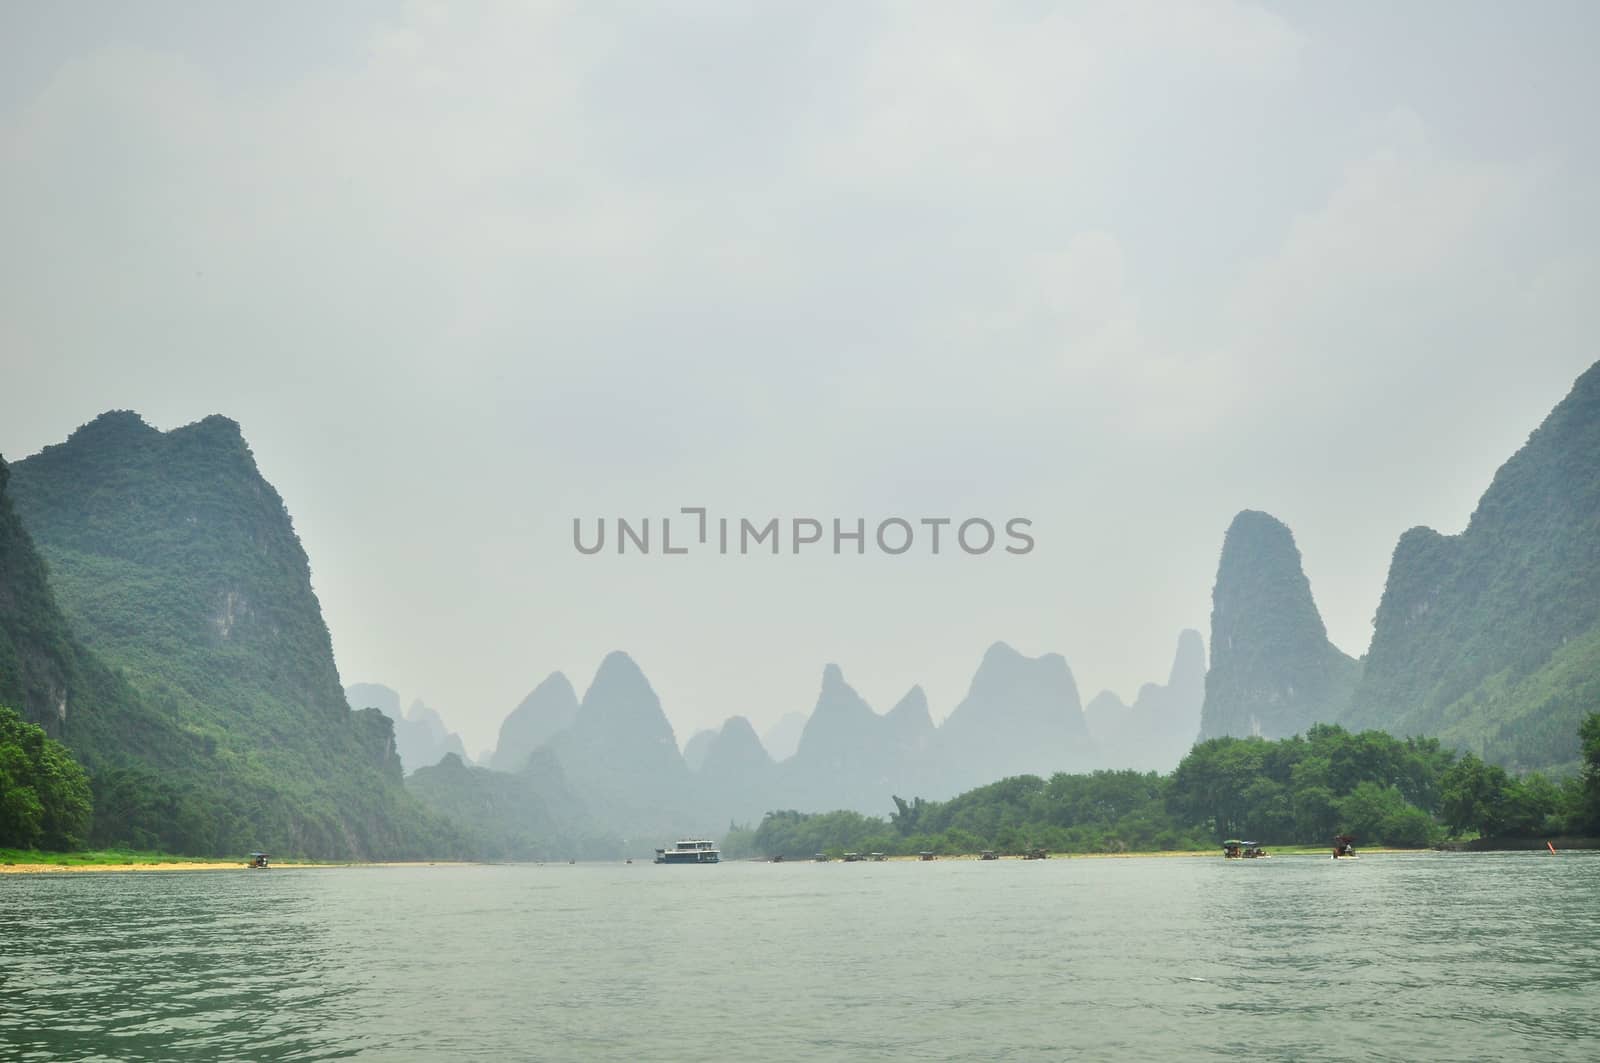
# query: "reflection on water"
[[1430, 956]]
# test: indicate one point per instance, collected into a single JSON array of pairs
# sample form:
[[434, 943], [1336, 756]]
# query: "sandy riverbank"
[[239, 865], [174, 865], [1210, 854]]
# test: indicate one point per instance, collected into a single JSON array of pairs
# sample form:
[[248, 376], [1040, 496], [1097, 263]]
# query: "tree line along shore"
[[1402, 793]]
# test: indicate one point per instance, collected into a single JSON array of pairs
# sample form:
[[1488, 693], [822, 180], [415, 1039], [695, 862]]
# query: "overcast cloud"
[[465, 272]]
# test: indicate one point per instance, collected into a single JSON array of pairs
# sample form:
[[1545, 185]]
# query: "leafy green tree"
[[1365, 809], [1209, 785], [1473, 796], [44, 795], [1408, 826], [1589, 736], [1533, 805]]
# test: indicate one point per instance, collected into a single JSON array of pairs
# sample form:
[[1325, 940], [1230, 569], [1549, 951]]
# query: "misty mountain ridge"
[[177, 604], [420, 735], [1489, 640], [1155, 732], [848, 755], [782, 739], [549, 709]]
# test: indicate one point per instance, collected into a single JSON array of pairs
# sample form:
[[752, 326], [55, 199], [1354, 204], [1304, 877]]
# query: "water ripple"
[[1398, 957]]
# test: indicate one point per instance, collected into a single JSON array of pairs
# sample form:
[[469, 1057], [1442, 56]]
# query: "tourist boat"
[[1344, 847], [690, 851], [259, 860], [1232, 849]]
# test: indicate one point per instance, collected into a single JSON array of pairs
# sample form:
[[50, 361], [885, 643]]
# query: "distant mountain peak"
[[1000, 649], [736, 753], [1190, 660], [913, 701], [910, 716], [618, 669], [1104, 702], [110, 425], [696, 748], [549, 709], [1021, 715]]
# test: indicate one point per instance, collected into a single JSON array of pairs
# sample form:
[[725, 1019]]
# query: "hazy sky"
[[466, 271]]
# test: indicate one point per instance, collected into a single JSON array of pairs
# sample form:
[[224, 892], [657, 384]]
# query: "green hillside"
[[1530, 721], [177, 564], [1491, 638]]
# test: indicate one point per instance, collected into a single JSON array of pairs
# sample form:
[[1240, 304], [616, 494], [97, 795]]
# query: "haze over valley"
[[165, 629]]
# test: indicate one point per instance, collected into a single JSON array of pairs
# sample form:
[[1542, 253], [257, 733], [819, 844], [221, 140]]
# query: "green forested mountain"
[[1490, 639], [1273, 671], [62, 687], [52, 679], [176, 563]]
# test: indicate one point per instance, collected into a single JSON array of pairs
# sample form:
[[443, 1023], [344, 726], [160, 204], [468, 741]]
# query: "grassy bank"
[[24, 860]]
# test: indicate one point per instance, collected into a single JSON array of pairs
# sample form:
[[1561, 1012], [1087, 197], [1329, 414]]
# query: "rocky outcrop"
[[1273, 671]]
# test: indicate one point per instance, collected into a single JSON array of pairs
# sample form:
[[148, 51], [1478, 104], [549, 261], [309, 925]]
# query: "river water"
[[1405, 957]]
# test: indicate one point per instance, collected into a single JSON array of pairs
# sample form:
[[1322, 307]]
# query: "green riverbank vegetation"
[[1406, 793], [1403, 793]]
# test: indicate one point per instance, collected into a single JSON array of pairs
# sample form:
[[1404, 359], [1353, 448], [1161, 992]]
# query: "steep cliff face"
[[176, 563], [1273, 670], [1485, 638], [40, 660], [1155, 732], [1021, 716], [53, 680]]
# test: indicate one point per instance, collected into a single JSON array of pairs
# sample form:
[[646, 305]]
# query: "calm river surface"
[[1409, 957]]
